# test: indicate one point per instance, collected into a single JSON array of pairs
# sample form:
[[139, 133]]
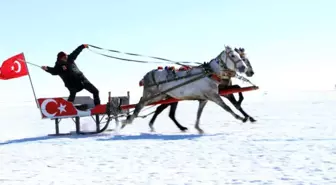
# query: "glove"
[[86, 45]]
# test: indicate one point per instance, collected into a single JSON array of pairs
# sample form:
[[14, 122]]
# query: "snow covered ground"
[[293, 142]]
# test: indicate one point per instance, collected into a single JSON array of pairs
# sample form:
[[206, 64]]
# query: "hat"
[[61, 54]]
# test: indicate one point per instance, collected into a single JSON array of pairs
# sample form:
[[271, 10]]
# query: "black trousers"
[[87, 86]]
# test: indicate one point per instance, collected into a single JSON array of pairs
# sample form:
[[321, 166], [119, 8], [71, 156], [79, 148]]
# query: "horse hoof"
[[200, 131], [123, 125], [184, 129], [252, 119], [244, 120]]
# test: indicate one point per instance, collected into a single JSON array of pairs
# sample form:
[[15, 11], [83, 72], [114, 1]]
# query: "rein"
[[182, 63]]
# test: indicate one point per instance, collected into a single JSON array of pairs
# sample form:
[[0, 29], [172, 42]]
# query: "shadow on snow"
[[150, 136], [111, 137], [44, 138]]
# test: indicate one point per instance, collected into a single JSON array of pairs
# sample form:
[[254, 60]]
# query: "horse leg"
[[238, 103], [172, 112], [158, 110], [218, 100], [201, 106], [136, 112], [138, 107], [241, 98], [117, 122]]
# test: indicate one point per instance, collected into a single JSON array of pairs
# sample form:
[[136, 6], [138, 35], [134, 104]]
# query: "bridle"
[[222, 63]]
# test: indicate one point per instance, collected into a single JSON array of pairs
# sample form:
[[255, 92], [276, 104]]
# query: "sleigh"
[[58, 108]]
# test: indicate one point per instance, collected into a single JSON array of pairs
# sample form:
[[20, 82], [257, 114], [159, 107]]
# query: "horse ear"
[[227, 47], [242, 49], [236, 50]]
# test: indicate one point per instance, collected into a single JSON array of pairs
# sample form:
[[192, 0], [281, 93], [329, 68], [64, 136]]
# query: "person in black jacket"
[[74, 80]]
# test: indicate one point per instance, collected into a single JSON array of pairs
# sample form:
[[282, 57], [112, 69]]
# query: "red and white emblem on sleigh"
[[59, 108]]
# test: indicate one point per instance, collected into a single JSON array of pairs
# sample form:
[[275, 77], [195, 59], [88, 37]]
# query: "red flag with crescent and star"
[[13, 67], [57, 107]]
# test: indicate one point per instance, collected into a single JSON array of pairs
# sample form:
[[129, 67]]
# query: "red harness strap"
[[216, 78]]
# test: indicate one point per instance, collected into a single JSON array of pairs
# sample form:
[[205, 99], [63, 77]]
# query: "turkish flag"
[[14, 67], [57, 107]]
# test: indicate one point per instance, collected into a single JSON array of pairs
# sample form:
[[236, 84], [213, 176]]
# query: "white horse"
[[225, 84], [199, 83]]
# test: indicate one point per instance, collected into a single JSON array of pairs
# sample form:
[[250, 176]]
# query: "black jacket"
[[72, 77]]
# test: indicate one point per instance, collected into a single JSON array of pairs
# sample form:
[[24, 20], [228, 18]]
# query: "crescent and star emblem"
[[18, 67], [44, 110]]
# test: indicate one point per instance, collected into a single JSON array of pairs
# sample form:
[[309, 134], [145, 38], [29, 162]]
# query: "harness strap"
[[202, 75], [171, 80]]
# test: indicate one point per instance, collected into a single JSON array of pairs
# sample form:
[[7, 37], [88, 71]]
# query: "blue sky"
[[290, 43]]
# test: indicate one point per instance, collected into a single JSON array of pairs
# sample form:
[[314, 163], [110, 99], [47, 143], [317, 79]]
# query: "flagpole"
[[31, 82]]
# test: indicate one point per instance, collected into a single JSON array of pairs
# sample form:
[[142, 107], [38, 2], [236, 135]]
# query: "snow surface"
[[293, 142]]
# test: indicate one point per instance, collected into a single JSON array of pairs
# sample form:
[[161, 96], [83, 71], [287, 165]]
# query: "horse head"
[[249, 72], [229, 60]]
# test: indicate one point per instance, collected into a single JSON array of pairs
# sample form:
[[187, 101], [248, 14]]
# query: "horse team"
[[201, 83]]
